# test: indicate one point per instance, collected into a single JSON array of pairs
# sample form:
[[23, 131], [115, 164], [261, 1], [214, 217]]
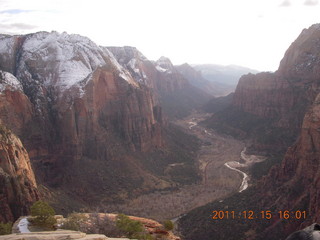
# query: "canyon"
[[107, 129], [278, 113], [95, 120]]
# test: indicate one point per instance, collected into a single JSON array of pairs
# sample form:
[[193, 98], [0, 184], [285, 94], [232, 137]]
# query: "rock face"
[[290, 98], [88, 117], [18, 188], [74, 103], [15, 108], [161, 76], [279, 99], [296, 182], [171, 88], [58, 235]]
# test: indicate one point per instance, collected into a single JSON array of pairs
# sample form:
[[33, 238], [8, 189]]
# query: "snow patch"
[[64, 60], [8, 81], [23, 225], [160, 69], [6, 46]]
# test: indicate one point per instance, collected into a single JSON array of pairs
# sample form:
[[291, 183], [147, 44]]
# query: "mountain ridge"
[[88, 122], [285, 104]]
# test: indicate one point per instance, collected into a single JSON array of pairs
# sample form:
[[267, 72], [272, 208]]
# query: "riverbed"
[[218, 163]]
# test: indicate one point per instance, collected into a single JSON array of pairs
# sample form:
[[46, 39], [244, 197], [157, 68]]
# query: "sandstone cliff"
[[87, 120], [288, 99], [173, 90], [270, 106], [294, 184], [18, 188], [85, 106]]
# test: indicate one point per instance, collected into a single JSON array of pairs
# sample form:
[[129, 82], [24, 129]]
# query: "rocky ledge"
[[57, 235]]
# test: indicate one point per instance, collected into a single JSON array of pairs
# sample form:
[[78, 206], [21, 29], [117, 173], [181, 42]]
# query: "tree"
[[168, 225], [129, 226], [74, 221], [5, 228], [43, 214]]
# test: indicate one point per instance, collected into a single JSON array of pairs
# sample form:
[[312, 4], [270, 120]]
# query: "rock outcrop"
[[278, 100], [295, 183], [289, 99], [88, 117], [18, 187], [74, 103], [16, 110], [57, 235], [173, 90]]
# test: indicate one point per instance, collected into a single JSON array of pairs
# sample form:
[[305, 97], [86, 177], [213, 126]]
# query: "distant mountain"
[[171, 89], [227, 75], [196, 79]]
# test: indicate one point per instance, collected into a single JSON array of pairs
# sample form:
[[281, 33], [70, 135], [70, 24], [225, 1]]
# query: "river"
[[248, 161], [217, 161]]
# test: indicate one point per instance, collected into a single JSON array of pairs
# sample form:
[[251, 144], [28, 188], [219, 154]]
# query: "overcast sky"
[[250, 33]]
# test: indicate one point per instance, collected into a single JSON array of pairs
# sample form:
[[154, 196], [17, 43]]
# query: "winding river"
[[249, 160], [234, 165]]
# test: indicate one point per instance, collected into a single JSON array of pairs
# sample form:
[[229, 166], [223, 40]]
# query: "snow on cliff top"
[[164, 65], [130, 58], [8, 81], [63, 60]]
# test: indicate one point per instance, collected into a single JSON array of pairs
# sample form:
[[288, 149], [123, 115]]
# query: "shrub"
[[128, 226], [43, 214], [5, 228], [74, 221], [142, 236], [168, 225]]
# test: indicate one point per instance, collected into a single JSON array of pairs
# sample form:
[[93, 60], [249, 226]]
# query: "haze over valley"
[[176, 150]]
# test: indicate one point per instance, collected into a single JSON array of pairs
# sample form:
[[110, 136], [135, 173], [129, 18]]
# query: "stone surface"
[[279, 100], [18, 187], [294, 185], [171, 88], [287, 99], [86, 117], [55, 235]]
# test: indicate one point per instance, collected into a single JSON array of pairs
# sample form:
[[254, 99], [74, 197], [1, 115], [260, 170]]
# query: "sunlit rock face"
[[18, 187], [75, 107], [290, 97]]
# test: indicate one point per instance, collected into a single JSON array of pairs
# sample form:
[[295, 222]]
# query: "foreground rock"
[[152, 227], [57, 235]]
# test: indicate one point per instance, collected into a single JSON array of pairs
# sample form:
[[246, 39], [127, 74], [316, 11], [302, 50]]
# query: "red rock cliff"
[[77, 108], [294, 184], [18, 188]]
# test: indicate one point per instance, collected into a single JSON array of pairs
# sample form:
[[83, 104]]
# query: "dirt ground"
[[217, 180]]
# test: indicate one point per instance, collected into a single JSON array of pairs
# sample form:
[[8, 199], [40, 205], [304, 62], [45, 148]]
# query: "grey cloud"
[[16, 27], [285, 3], [23, 26], [15, 11], [311, 2]]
